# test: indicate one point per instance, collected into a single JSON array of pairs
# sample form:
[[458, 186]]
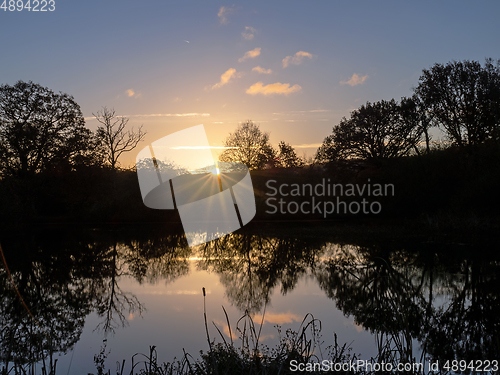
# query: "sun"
[[216, 171]]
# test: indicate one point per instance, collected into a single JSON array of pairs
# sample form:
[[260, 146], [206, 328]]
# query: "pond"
[[69, 294]]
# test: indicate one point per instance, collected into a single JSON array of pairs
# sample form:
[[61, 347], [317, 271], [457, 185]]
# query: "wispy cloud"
[[302, 112], [273, 88], [226, 77], [201, 148], [260, 70], [132, 94], [296, 59], [308, 145], [193, 114], [224, 12], [355, 80], [249, 33], [250, 54]]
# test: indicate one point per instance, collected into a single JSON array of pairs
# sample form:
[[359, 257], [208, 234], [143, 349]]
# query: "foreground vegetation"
[[298, 352]]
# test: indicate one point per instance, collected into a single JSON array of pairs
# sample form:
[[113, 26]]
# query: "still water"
[[72, 293]]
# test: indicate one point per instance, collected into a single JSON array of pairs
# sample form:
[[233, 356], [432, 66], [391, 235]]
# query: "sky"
[[293, 67]]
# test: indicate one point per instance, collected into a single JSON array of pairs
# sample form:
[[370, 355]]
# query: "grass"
[[296, 350]]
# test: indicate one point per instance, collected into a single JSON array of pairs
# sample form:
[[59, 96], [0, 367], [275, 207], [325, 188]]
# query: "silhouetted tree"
[[414, 113], [287, 157], [39, 128], [463, 98], [248, 145], [374, 131], [327, 152], [115, 140]]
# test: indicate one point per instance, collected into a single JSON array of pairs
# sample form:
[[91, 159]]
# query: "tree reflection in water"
[[55, 302], [57, 280], [447, 302], [251, 265], [415, 298]]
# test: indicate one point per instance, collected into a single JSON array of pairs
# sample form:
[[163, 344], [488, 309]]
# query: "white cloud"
[[260, 70], [296, 59], [273, 88], [355, 80], [224, 12], [226, 77], [132, 94], [249, 33], [250, 54]]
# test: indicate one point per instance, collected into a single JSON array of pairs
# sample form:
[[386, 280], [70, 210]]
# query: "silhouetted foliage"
[[40, 129], [287, 157], [414, 112], [248, 145], [327, 152], [373, 132], [51, 166], [463, 99]]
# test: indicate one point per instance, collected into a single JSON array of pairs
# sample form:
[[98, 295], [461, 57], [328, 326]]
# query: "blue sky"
[[173, 64]]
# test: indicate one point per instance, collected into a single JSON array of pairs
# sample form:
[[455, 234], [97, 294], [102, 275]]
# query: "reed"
[[248, 356]]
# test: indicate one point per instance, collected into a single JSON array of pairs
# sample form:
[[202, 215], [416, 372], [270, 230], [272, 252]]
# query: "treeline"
[[392, 142], [462, 99], [53, 168]]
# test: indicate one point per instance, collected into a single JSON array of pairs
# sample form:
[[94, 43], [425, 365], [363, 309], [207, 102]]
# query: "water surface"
[[143, 287]]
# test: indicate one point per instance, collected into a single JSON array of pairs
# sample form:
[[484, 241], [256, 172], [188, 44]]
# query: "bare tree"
[[115, 139]]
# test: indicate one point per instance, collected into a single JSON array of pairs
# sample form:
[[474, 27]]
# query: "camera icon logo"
[[178, 172]]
